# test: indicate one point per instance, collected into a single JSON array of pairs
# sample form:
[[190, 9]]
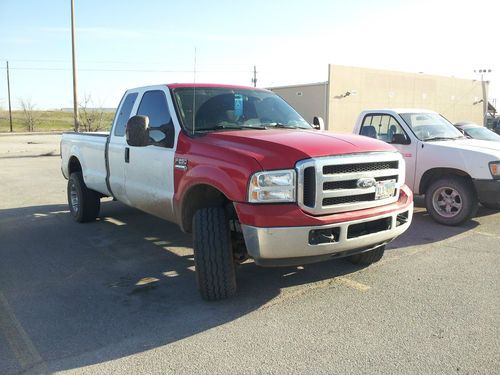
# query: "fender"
[[75, 152], [229, 185]]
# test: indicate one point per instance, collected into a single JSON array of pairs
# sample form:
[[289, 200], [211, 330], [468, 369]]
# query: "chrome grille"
[[330, 184]]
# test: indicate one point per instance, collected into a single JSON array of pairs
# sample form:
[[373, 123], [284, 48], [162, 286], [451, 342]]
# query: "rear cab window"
[[123, 115]]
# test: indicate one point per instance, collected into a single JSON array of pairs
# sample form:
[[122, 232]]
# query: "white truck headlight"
[[402, 171], [272, 187], [495, 169]]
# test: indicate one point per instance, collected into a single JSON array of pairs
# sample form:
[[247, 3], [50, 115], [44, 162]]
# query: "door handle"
[[127, 155]]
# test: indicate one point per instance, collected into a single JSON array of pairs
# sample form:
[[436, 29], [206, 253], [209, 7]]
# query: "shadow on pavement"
[[129, 279], [74, 287], [425, 230]]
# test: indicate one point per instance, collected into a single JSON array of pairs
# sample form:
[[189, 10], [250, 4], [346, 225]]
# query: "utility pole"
[[73, 53], [8, 94], [485, 94], [254, 79]]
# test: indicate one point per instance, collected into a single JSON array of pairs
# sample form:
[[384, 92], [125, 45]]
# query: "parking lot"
[[119, 295]]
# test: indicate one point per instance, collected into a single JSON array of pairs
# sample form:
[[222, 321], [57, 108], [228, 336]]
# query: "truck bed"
[[90, 149]]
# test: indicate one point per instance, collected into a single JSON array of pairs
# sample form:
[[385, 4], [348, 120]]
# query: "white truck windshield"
[[431, 126]]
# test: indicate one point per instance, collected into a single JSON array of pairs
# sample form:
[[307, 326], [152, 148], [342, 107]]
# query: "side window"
[[383, 127], [124, 114], [154, 105], [368, 128]]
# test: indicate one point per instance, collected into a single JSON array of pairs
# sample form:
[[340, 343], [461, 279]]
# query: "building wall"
[[309, 100], [370, 88]]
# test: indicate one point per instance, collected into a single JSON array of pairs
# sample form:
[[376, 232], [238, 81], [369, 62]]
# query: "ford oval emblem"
[[365, 183]]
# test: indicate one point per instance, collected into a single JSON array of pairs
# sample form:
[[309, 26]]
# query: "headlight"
[[272, 186], [495, 169], [402, 171]]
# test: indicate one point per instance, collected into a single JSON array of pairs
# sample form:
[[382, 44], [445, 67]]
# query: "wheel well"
[[74, 165], [201, 196], [432, 174]]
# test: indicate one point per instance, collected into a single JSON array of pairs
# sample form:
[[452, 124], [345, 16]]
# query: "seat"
[[369, 131], [392, 130]]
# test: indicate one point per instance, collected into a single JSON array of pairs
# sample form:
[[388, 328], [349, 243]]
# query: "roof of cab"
[[197, 85], [399, 110], [212, 85]]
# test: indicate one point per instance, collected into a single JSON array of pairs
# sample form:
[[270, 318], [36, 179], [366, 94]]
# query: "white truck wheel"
[[451, 200]]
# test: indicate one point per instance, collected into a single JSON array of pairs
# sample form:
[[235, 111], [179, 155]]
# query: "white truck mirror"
[[318, 123]]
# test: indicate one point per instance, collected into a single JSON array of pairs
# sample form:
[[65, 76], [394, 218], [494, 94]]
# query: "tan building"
[[350, 90]]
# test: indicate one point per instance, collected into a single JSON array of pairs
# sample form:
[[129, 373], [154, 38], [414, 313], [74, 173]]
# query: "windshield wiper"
[[231, 127], [442, 138], [280, 125]]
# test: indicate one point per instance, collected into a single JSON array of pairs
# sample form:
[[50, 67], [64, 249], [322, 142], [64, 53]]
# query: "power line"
[[126, 70]]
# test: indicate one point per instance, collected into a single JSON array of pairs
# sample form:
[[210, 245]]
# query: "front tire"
[[368, 257], [84, 203], [213, 256], [451, 200]]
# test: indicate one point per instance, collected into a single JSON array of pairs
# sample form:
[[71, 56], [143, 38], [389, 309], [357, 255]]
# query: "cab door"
[[117, 145], [149, 170], [385, 127]]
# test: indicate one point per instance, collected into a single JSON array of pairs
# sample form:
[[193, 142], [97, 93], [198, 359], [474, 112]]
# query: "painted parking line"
[[352, 284], [339, 280], [17, 338], [487, 234]]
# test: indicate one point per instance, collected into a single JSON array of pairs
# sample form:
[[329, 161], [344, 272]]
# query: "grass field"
[[47, 121]]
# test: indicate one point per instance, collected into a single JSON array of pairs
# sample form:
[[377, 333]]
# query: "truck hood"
[[473, 145], [282, 148]]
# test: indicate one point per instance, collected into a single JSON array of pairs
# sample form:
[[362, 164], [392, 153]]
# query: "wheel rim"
[[73, 194], [447, 201]]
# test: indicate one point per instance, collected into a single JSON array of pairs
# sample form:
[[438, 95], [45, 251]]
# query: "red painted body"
[[290, 215], [226, 160]]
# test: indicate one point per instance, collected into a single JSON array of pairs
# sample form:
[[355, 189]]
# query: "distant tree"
[[31, 118], [91, 117]]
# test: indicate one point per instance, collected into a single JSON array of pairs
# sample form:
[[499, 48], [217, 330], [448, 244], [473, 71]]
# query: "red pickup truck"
[[246, 174]]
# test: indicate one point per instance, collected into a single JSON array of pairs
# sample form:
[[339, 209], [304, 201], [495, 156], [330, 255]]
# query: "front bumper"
[[488, 191], [284, 246]]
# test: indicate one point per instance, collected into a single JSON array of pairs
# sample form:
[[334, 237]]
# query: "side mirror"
[[400, 139], [137, 132], [318, 123]]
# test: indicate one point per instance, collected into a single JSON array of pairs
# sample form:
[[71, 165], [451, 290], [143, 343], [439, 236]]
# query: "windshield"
[[229, 108], [431, 126], [482, 133]]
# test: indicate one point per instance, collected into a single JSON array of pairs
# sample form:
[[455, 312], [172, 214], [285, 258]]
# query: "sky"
[[125, 44]]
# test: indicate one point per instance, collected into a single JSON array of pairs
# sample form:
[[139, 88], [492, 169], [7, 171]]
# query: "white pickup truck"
[[454, 172]]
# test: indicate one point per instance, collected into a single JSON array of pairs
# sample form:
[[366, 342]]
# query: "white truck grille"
[[349, 182]]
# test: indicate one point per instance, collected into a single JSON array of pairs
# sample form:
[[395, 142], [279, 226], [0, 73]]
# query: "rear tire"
[[213, 256], [451, 200], [368, 257], [84, 203]]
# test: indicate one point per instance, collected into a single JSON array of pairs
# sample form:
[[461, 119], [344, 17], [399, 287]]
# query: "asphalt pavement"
[[119, 295]]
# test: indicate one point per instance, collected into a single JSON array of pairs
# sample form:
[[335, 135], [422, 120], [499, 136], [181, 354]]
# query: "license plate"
[[385, 189]]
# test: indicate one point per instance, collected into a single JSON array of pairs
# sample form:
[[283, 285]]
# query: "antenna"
[[254, 79], [194, 90]]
